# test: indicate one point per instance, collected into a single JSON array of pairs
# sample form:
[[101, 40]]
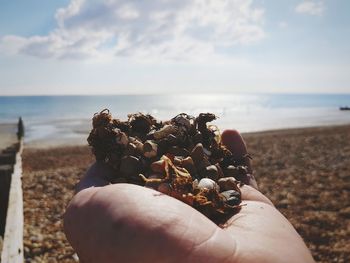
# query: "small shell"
[[139, 144], [122, 139], [150, 149], [158, 166], [175, 150], [220, 172], [231, 197], [188, 164], [207, 152], [197, 153], [198, 138], [164, 132], [211, 172], [181, 120], [195, 183], [172, 139], [208, 184], [130, 165], [202, 164], [131, 149], [228, 183], [239, 172]]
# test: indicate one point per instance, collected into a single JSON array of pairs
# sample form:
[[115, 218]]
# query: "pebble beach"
[[305, 172]]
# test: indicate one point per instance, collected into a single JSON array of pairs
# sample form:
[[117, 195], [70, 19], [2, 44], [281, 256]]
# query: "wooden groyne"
[[11, 201]]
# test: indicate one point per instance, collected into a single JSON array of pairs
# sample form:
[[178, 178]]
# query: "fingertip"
[[233, 140], [250, 193]]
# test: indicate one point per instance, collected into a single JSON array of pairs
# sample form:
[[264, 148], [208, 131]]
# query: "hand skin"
[[130, 223]]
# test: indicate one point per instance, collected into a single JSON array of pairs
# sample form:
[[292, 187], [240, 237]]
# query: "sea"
[[67, 117]]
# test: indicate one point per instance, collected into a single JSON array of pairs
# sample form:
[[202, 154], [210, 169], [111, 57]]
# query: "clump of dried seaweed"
[[182, 157]]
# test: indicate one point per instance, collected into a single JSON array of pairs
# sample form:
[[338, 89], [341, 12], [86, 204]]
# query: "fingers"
[[99, 174], [252, 194], [108, 224], [235, 143]]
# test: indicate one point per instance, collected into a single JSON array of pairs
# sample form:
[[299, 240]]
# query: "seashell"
[[175, 150], [231, 171], [228, 183], [131, 149], [208, 184], [220, 172], [150, 135], [122, 138], [130, 165], [188, 164], [164, 132], [202, 164], [139, 144], [198, 137], [197, 153], [158, 166], [150, 149], [177, 160], [195, 183], [206, 151], [238, 172], [172, 139], [231, 197], [181, 120], [211, 172]]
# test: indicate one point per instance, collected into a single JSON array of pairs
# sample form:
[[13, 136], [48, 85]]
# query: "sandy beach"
[[305, 172]]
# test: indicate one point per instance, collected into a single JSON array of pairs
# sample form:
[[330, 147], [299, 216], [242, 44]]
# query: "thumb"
[[233, 140]]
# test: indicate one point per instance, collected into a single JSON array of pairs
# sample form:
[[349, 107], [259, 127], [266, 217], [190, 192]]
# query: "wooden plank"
[[5, 182], [7, 158], [12, 250]]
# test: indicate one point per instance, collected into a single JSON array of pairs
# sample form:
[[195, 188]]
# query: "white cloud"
[[165, 29], [310, 8], [283, 24]]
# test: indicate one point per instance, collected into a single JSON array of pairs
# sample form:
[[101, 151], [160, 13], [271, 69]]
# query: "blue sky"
[[158, 46]]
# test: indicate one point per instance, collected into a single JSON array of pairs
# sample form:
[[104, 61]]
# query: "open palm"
[[129, 223]]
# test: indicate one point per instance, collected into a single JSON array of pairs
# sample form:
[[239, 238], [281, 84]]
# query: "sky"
[[68, 47]]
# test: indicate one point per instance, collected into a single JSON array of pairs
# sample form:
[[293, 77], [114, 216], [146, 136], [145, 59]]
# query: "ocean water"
[[69, 116]]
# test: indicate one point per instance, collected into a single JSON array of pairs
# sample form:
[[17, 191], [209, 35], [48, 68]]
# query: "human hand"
[[130, 223]]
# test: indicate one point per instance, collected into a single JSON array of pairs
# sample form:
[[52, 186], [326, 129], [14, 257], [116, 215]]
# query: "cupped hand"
[[130, 223]]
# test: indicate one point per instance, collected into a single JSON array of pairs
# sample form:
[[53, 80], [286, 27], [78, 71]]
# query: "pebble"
[[208, 184], [211, 172], [228, 183], [130, 165], [232, 197], [197, 153], [188, 164], [150, 149], [158, 166]]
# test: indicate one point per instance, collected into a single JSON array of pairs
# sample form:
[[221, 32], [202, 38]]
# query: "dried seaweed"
[[183, 158]]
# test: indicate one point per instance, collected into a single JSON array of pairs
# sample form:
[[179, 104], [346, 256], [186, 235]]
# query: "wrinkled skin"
[[129, 223]]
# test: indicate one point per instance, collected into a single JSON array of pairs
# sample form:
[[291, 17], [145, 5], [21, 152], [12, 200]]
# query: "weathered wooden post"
[[20, 131], [12, 250]]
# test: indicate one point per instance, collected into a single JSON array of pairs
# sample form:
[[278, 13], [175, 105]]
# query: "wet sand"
[[305, 172]]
